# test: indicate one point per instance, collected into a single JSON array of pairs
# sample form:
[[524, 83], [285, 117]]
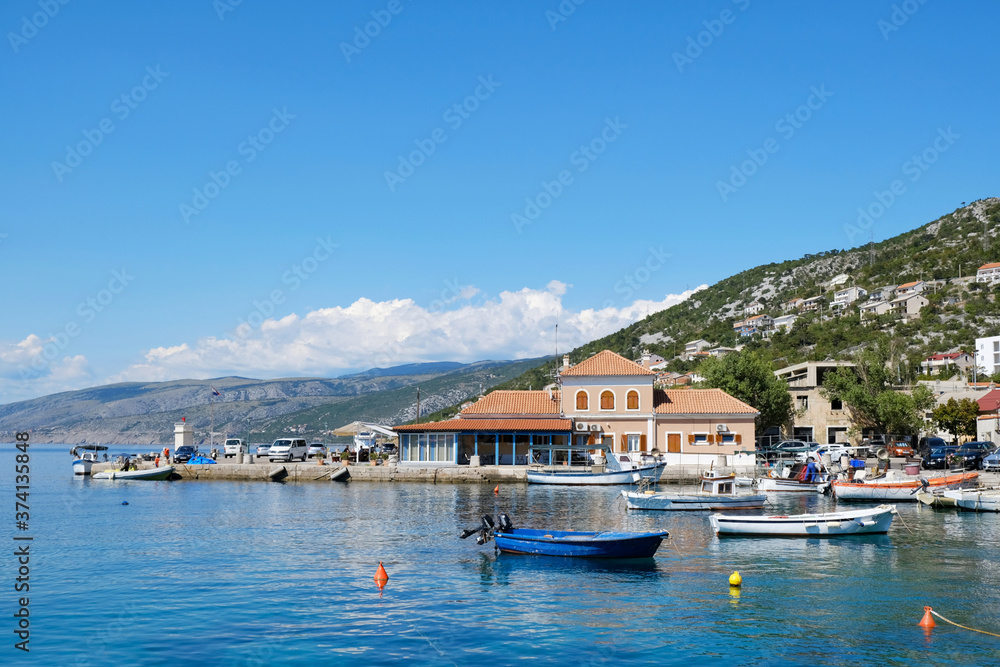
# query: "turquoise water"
[[254, 574]]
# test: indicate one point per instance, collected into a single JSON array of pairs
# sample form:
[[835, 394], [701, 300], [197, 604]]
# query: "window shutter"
[[591, 440], [711, 438], [739, 439], [691, 438], [642, 442]]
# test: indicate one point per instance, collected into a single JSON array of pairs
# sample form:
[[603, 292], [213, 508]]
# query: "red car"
[[900, 448]]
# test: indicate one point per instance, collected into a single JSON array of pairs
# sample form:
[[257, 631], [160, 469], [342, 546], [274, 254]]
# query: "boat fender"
[[773, 474], [865, 524]]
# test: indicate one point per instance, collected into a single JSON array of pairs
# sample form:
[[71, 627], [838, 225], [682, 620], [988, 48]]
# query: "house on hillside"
[[758, 324], [988, 424], [908, 306], [872, 309], [934, 364], [812, 304], [885, 293], [695, 346], [845, 297], [792, 304], [721, 351], [988, 273], [605, 399], [906, 289], [785, 322], [816, 418], [988, 355], [753, 308]]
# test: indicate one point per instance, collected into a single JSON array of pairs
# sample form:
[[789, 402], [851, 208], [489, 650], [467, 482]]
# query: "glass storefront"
[[428, 447]]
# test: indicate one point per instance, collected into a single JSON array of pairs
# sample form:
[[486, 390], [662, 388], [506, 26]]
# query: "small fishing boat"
[[128, 470], [717, 492], [935, 498], [900, 489], [831, 524], [575, 544], [976, 500], [85, 456], [612, 472], [798, 478]]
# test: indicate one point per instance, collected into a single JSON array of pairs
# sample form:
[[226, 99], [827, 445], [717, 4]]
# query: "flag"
[[215, 391]]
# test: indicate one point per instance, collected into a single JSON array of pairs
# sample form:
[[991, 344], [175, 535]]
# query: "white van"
[[234, 446], [288, 449]]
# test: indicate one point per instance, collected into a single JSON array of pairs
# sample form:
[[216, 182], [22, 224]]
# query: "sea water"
[[254, 573]]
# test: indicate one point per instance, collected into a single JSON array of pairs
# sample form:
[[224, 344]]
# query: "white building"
[[988, 355], [754, 308], [785, 322], [916, 287], [988, 273], [847, 296], [695, 346]]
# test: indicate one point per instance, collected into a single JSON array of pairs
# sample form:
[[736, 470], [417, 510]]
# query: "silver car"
[[317, 449], [288, 449]]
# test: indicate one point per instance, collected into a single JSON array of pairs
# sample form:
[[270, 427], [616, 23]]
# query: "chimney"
[[565, 362], [646, 359]]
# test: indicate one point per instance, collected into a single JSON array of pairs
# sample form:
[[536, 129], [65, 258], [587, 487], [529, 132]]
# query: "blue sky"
[[641, 109]]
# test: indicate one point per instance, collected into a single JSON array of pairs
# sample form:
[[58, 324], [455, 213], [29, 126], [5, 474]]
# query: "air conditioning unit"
[[582, 426], [595, 427], [722, 428]]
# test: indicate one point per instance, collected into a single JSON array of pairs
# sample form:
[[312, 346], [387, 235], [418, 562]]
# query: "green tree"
[[749, 377], [957, 417], [868, 392]]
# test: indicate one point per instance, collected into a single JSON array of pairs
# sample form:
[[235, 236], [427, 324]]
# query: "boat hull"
[[833, 524], [596, 478], [772, 485], [579, 544], [975, 501], [149, 474], [693, 501], [902, 491], [82, 467]]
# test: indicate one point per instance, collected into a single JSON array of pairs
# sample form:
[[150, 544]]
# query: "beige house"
[[816, 418], [604, 399], [873, 309], [908, 306]]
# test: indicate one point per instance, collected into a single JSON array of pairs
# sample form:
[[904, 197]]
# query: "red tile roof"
[[942, 357], [511, 402], [990, 402], [607, 362], [699, 401], [491, 425], [905, 285], [991, 265]]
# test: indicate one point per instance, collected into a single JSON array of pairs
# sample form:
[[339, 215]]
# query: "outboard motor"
[[486, 532], [505, 525]]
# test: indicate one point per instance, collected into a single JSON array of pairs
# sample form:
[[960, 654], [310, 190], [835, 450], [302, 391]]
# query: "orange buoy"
[[927, 621], [381, 576], [496, 490]]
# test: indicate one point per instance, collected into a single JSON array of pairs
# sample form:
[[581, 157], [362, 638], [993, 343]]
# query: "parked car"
[[900, 448], [262, 450], [992, 462], [234, 446], [835, 450], [970, 455], [316, 449], [925, 445], [938, 457], [184, 453], [288, 449], [788, 447]]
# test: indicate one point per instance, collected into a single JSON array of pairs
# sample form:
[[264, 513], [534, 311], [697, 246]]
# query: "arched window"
[[633, 400], [607, 400], [582, 402]]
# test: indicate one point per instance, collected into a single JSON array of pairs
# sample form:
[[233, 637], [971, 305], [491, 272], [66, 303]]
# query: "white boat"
[[900, 489], [796, 479], [985, 500], [717, 492], [148, 473], [831, 524], [85, 458], [611, 473]]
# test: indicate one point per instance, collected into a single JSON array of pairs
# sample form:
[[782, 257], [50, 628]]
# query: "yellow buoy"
[[735, 579]]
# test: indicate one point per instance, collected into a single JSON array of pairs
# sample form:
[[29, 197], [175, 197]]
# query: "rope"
[[992, 634], [904, 523]]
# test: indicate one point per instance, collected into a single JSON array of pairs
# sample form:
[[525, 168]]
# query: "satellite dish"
[[882, 454]]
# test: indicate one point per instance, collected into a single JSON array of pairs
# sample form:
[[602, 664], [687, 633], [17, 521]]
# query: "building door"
[[803, 433], [674, 443]]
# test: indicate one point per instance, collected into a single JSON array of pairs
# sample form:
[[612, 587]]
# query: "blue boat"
[[575, 544]]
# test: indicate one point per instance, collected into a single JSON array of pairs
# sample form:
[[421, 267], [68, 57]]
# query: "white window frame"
[[704, 434], [628, 442], [600, 408]]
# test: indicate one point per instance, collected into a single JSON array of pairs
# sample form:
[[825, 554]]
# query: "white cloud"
[[368, 333], [37, 366]]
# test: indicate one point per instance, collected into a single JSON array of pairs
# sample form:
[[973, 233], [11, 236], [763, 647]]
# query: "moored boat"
[[147, 473], [85, 458], [976, 500], [572, 543], [716, 493], [799, 478], [899, 489], [611, 473], [830, 524]]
